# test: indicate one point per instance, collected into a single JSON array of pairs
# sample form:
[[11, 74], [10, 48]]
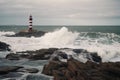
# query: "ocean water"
[[105, 40]]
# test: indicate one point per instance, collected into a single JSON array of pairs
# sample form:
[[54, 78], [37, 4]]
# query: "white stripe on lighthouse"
[[30, 23]]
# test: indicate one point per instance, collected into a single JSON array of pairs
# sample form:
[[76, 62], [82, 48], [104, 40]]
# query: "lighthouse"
[[30, 23]]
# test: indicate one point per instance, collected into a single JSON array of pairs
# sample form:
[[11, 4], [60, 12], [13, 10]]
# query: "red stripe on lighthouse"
[[30, 23]]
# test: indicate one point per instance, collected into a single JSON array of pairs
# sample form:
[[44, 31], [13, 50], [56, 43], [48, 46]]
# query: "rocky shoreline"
[[76, 70], [79, 65]]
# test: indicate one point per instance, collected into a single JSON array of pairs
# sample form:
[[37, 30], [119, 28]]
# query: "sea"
[[105, 40]]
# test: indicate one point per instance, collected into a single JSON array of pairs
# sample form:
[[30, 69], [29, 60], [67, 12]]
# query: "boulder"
[[76, 70], [58, 55], [95, 57], [7, 69], [28, 70], [79, 51], [13, 56], [4, 46], [92, 56], [42, 54], [11, 76], [53, 65]]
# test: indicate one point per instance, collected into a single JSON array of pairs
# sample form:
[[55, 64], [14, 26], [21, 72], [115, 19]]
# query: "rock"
[[53, 65], [28, 70], [95, 57], [92, 56], [29, 34], [42, 54], [78, 51], [13, 56], [58, 75], [55, 54], [11, 76], [4, 46], [58, 55], [7, 69], [76, 70]]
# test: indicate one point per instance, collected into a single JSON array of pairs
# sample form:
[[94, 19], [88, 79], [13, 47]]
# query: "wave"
[[59, 38], [107, 45], [2, 33]]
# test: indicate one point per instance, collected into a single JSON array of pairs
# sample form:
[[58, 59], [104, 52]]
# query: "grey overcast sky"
[[60, 12]]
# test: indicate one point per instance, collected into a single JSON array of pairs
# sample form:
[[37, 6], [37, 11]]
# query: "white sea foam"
[[107, 45], [2, 33], [59, 38]]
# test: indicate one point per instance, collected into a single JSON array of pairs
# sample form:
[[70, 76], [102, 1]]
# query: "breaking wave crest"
[[107, 45], [59, 38], [2, 33]]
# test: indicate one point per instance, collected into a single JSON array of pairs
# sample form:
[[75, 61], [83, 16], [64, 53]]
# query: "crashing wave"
[[107, 45]]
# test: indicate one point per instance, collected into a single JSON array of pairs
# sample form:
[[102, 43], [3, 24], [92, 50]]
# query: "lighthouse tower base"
[[30, 30]]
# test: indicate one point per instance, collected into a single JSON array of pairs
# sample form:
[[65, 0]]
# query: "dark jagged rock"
[[57, 55], [42, 54], [29, 70], [75, 70], [7, 69], [80, 51], [29, 34], [13, 56], [95, 57], [52, 53], [11, 76], [53, 65], [4, 70], [4, 46]]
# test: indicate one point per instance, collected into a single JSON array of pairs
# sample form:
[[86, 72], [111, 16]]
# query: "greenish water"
[[105, 40], [104, 29]]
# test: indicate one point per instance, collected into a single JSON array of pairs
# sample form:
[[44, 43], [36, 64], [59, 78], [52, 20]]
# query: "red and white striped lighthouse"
[[30, 23]]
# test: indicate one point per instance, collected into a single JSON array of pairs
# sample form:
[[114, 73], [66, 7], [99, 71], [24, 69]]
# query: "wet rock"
[[29, 34], [76, 70], [58, 55], [42, 54], [55, 54], [28, 70], [7, 69], [92, 56], [4, 46], [13, 56], [78, 51], [53, 65], [95, 57], [11, 76]]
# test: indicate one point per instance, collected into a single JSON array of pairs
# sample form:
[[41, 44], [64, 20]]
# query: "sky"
[[60, 12]]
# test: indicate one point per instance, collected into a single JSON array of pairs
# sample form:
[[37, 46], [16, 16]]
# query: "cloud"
[[69, 11]]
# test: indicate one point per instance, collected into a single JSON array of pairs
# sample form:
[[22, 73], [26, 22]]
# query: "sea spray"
[[107, 45], [59, 38], [3, 33]]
